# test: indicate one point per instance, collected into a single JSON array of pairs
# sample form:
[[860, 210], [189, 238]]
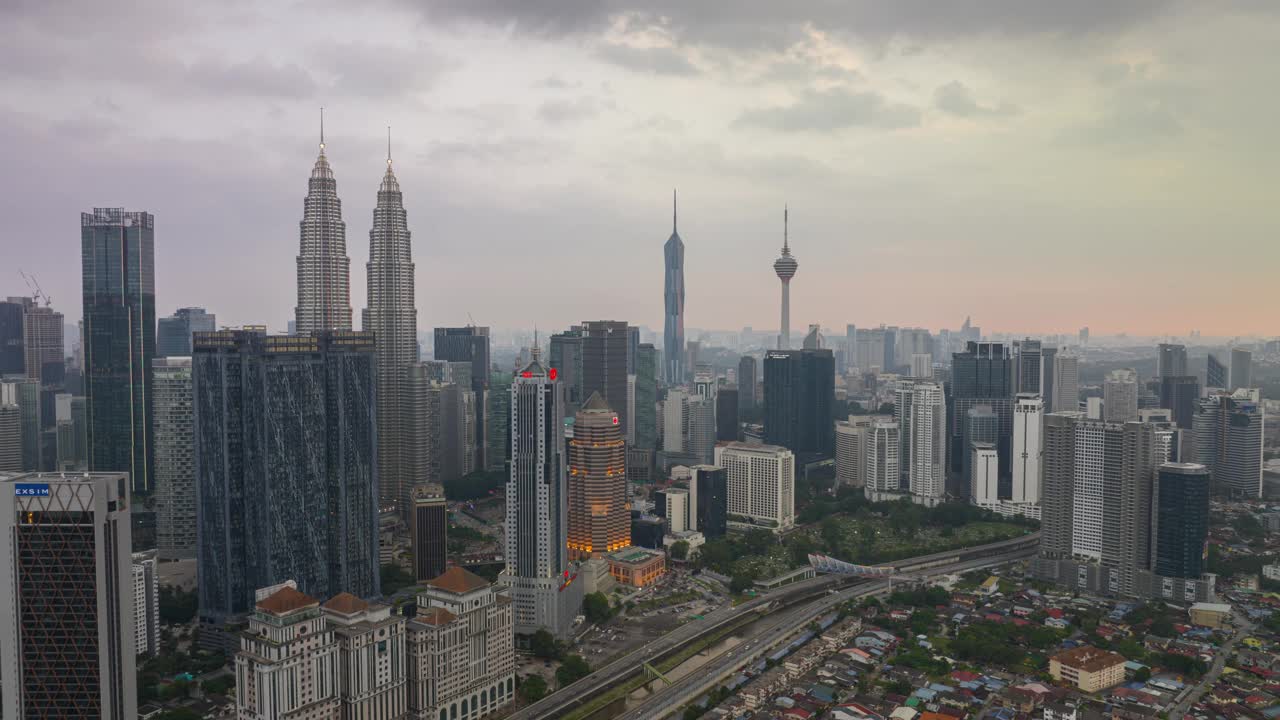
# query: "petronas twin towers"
[[324, 298]]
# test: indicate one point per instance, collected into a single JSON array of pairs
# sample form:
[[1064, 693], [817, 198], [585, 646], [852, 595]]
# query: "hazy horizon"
[[1033, 164]]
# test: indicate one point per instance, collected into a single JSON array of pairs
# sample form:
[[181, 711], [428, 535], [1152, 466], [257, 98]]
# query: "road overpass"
[[583, 691]]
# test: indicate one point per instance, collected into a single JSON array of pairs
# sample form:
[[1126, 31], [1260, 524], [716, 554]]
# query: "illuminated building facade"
[[599, 520]]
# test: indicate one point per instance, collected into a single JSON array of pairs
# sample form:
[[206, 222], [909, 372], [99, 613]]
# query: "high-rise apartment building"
[[646, 397], [675, 421], [462, 658], [928, 448], [851, 437], [799, 388], [428, 531], [537, 574], [880, 458], [673, 370], [785, 267], [981, 425], [42, 341], [66, 599], [922, 366], [1099, 488], [1241, 368], [146, 603], [1028, 447], [423, 427], [604, 365], [1171, 360], [286, 465], [748, 376], [175, 471], [324, 270], [72, 419], [498, 414], [118, 272], [372, 658], [1180, 520], [173, 333], [1228, 440], [24, 394], [1216, 374], [1120, 396], [1066, 383], [10, 436], [393, 318], [761, 481], [984, 474], [599, 517], [869, 349]]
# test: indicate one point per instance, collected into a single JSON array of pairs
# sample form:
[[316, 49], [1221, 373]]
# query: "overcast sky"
[[1039, 165]]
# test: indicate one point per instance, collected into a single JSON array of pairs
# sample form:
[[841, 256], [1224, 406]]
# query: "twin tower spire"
[[324, 299]]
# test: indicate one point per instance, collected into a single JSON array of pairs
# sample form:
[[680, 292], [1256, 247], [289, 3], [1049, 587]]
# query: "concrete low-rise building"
[[637, 567], [1212, 615], [1087, 668]]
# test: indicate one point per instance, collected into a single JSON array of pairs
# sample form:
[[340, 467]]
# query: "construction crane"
[[34, 287]]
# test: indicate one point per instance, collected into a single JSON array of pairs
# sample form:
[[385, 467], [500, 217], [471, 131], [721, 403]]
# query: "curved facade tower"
[[673, 333], [392, 315], [599, 519], [785, 266], [324, 294]]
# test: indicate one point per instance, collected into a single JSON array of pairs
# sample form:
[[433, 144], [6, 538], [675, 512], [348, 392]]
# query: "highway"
[[566, 699], [672, 699]]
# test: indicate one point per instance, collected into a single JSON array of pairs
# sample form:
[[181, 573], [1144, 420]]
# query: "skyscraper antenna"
[[785, 240], [673, 210], [322, 129], [388, 145]]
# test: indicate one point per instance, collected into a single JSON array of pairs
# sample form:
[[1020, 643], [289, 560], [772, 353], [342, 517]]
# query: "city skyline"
[[840, 111]]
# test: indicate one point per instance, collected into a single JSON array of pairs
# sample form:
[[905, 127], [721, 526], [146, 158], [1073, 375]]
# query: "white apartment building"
[[850, 438], [761, 485], [928, 479], [675, 420], [373, 652], [287, 666], [1028, 447], [984, 474], [1120, 396], [880, 460], [146, 603]]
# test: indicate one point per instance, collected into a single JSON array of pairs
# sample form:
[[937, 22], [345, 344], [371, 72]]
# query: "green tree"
[[176, 606], [533, 688], [740, 583], [544, 645], [218, 685], [1143, 674], [571, 670], [596, 607], [394, 578], [680, 550]]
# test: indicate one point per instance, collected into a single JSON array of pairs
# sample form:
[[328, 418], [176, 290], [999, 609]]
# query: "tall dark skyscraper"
[[1228, 432], [981, 375], [428, 530], [1241, 368], [673, 329], [604, 364], [286, 465], [324, 270], [469, 344], [11, 357], [566, 357], [711, 492], [67, 598], [747, 378], [1180, 394], [119, 291], [727, 414], [1029, 366], [173, 333], [799, 387], [646, 397], [1049, 372], [1180, 517], [393, 318], [1171, 360], [1215, 375]]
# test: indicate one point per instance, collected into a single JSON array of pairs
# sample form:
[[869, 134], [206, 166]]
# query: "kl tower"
[[786, 267]]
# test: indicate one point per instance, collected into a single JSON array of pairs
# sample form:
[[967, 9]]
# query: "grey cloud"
[[957, 99], [559, 112], [1133, 124], [556, 82], [659, 60], [363, 69], [257, 78], [769, 22], [834, 109]]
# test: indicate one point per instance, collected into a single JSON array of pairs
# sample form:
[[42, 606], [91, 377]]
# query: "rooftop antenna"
[[785, 240], [673, 210], [322, 130], [388, 145]]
